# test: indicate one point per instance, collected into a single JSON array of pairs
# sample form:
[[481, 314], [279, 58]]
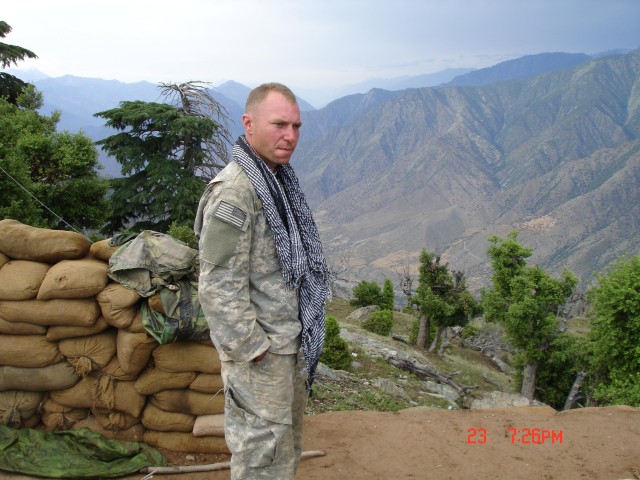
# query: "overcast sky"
[[305, 43]]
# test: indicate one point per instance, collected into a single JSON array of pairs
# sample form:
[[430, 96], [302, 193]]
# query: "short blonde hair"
[[258, 94]]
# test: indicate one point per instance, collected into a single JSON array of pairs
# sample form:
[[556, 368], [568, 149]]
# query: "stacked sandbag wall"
[[74, 351]]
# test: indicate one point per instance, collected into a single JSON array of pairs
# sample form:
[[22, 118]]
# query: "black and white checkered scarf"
[[297, 244]]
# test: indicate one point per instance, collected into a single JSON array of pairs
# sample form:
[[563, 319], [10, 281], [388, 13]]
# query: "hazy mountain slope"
[[555, 156], [520, 68]]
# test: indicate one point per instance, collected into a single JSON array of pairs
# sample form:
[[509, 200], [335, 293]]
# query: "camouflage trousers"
[[263, 416]]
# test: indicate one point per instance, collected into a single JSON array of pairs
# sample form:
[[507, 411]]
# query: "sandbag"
[[118, 395], [79, 312], [17, 406], [155, 418], [24, 242], [82, 278], [115, 371], [103, 249], [21, 279], [59, 417], [187, 357], [209, 425], [3, 259], [134, 350], [153, 380], [20, 328], [207, 383], [131, 434], [89, 353], [79, 396], [188, 401], [185, 442], [114, 420], [58, 376], [60, 332], [118, 304], [30, 351]]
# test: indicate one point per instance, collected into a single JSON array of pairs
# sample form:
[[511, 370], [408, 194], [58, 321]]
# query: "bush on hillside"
[[335, 353], [379, 322]]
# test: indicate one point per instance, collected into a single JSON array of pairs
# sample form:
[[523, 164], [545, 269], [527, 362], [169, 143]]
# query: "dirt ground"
[[425, 443], [422, 443]]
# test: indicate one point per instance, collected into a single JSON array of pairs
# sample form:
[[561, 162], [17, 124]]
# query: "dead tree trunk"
[[529, 380], [423, 371], [573, 393]]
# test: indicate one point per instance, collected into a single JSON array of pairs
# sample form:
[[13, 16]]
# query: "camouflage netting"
[[107, 336]]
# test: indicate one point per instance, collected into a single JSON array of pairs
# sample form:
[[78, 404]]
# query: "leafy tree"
[[168, 152], [442, 297], [11, 86], [48, 178], [615, 333], [525, 300]]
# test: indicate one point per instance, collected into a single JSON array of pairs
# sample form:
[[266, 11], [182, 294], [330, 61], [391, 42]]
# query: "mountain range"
[[546, 144]]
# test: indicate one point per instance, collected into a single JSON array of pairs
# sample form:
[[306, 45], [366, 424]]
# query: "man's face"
[[272, 128]]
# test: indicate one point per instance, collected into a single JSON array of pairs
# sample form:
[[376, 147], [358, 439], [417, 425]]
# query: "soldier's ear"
[[247, 123]]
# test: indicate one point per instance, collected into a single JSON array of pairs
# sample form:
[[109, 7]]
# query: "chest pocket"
[[264, 258]]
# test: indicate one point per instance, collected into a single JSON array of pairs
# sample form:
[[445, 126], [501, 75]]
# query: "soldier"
[[263, 285]]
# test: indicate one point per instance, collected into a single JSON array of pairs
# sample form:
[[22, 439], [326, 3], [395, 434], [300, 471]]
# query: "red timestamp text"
[[520, 436]]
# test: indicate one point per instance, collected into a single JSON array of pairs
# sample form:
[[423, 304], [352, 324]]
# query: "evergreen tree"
[[615, 333], [10, 85], [168, 152], [525, 300], [388, 296], [48, 178]]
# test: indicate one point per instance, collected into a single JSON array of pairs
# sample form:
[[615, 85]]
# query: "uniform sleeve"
[[223, 287]]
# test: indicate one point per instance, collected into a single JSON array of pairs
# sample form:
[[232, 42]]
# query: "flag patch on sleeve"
[[230, 214]]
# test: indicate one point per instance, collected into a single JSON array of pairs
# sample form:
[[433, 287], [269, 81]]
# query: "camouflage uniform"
[[249, 311]]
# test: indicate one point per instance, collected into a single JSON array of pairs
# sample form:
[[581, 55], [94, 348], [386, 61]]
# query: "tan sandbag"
[[114, 420], [82, 278], [188, 401], [153, 380], [30, 351], [21, 279], [60, 332], [118, 304], [185, 442], [24, 242], [118, 395], [31, 422], [59, 417], [102, 249], [155, 303], [87, 354], [79, 312], [133, 434], [19, 328], [209, 425], [136, 325], [58, 376], [3, 259], [134, 350], [155, 418], [79, 396], [115, 371], [187, 357], [17, 406], [207, 383]]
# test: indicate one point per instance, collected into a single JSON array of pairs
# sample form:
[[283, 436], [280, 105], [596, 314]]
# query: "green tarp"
[[80, 453]]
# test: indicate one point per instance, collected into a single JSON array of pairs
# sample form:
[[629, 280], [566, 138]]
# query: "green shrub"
[[335, 353], [379, 322], [367, 293], [184, 234]]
